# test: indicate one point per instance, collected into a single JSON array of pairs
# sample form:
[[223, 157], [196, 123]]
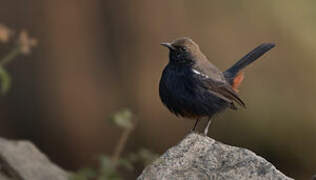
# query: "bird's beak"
[[168, 45]]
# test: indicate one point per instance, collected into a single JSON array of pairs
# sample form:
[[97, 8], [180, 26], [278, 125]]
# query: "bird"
[[192, 87]]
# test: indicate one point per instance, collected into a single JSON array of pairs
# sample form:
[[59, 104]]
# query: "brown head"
[[183, 51]]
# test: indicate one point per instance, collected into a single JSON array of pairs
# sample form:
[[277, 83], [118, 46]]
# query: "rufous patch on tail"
[[237, 81]]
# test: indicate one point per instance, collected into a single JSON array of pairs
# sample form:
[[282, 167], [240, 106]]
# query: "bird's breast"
[[183, 94], [177, 81], [177, 91]]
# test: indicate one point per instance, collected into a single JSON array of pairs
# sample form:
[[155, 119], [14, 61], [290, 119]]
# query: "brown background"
[[95, 57]]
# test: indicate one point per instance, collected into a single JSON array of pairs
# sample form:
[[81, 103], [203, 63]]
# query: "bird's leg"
[[196, 122], [207, 126]]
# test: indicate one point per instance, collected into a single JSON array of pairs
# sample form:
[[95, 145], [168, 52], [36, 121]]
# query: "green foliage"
[[108, 169], [143, 156], [5, 80], [84, 174], [23, 45], [109, 166], [123, 119]]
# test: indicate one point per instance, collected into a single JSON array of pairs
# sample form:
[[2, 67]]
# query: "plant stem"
[[15, 52], [120, 145], [122, 142]]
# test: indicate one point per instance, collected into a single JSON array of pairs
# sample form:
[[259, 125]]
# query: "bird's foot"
[[207, 126]]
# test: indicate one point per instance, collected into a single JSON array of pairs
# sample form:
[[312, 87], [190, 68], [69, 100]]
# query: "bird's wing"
[[205, 67], [227, 91], [213, 82], [224, 89]]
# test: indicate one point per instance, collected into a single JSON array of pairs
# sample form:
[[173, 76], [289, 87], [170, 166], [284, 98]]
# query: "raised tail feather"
[[253, 55]]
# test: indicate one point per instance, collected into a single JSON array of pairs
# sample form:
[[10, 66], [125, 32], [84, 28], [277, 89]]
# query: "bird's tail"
[[253, 55]]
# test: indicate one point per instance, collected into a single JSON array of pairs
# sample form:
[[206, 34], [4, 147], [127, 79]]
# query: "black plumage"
[[193, 87]]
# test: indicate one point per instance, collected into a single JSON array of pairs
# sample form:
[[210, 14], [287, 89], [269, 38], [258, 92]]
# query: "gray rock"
[[200, 157], [22, 160]]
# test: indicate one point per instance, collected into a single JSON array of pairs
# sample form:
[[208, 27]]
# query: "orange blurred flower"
[[5, 33], [26, 42]]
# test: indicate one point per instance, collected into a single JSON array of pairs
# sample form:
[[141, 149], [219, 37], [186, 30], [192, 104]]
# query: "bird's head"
[[182, 51]]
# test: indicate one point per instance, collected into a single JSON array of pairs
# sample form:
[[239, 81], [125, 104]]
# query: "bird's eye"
[[183, 49]]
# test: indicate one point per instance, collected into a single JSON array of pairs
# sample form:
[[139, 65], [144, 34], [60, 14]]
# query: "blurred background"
[[95, 57]]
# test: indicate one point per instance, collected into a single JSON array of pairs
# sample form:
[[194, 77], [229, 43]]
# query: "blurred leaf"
[[123, 119], [106, 163], [84, 174], [147, 156], [105, 177], [5, 80], [125, 163], [107, 169], [144, 156], [133, 157]]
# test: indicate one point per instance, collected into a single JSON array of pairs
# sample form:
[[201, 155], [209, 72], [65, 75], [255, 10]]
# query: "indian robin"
[[192, 87]]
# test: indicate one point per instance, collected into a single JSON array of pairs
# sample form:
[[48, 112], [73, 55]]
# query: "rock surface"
[[200, 157], [22, 160]]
